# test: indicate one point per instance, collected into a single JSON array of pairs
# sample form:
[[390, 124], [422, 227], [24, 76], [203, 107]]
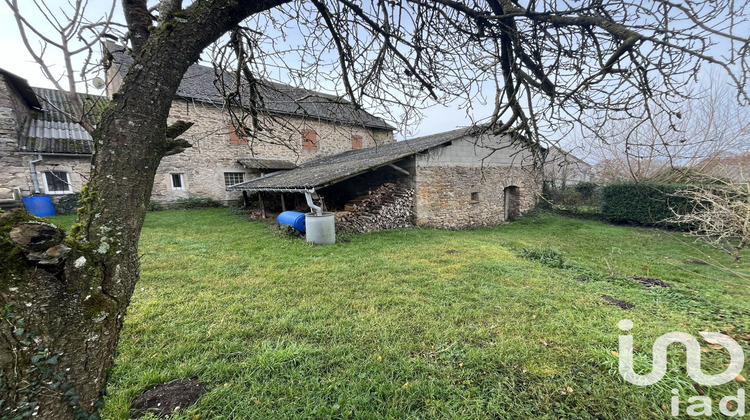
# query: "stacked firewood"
[[390, 206]]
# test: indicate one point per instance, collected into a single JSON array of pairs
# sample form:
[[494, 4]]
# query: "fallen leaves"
[[566, 391], [546, 344]]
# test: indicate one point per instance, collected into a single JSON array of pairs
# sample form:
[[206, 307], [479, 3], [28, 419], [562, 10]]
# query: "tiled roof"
[[263, 163], [199, 83], [330, 169], [51, 131]]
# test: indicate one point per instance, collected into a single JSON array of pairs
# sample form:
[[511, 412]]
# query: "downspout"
[[308, 197], [34, 178]]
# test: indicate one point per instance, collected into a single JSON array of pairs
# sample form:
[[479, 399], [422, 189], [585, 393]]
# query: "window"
[[57, 182], [177, 181], [235, 138], [309, 139], [475, 196], [356, 142], [231, 178]]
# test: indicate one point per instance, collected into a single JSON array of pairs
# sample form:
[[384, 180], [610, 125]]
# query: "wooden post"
[[245, 200], [283, 204], [262, 206]]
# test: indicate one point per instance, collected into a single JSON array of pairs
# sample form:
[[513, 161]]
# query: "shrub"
[[566, 196], [643, 203], [154, 206], [588, 191], [68, 204], [195, 203]]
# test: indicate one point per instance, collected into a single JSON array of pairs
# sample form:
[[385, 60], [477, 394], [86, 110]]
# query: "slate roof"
[[328, 170], [198, 84], [264, 163], [22, 86], [51, 131]]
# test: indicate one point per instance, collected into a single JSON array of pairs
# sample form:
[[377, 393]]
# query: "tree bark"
[[60, 323]]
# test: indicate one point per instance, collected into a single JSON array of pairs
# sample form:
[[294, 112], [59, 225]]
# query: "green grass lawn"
[[418, 323]]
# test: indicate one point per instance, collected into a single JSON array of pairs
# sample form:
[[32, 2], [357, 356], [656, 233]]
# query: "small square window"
[[232, 178], [177, 181], [356, 142], [57, 182], [475, 196], [309, 139]]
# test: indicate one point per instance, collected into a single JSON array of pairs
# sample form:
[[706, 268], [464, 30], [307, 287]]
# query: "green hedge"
[[642, 203]]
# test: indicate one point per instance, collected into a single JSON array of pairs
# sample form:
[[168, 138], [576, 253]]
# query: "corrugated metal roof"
[[199, 83], [330, 169], [51, 131], [263, 163]]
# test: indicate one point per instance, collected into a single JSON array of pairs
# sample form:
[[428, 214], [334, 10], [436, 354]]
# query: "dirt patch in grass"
[[649, 281], [617, 302], [695, 262], [163, 400]]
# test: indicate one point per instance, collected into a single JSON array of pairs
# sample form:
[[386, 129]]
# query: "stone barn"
[[457, 179]]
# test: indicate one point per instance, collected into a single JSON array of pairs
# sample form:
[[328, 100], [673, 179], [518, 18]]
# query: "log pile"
[[390, 206]]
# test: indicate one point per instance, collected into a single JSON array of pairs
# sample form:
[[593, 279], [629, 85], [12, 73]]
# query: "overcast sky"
[[16, 59]]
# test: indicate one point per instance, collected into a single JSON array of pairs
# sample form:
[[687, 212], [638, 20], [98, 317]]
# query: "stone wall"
[[203, 165], [13, 117], [462, 185]]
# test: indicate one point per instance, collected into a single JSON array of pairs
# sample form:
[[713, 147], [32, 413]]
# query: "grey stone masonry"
[[13, 116], [464, 184], [202, 167]]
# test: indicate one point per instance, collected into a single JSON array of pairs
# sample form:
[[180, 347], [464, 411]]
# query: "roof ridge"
[[199, 84]]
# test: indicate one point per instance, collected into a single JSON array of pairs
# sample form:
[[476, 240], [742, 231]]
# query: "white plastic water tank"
[[320, 230]]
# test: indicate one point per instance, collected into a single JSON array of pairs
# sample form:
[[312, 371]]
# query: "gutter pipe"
[[34, 178], [308, 197]]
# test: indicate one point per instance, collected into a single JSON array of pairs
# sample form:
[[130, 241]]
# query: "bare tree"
[[720, 215], [71, 35], [551, 61], [712, 125]]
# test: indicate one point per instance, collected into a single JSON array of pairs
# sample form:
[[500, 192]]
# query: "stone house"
[[457, 179], [43, 152], [40, 150]]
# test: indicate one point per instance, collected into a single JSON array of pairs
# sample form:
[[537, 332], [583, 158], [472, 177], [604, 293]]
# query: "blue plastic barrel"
[[39, 205], [294, 219]]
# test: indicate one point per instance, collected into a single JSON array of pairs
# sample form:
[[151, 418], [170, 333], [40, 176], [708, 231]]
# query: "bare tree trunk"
[[60, 324]]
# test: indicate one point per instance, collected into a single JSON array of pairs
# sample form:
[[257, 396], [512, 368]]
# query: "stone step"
[[6, 205]]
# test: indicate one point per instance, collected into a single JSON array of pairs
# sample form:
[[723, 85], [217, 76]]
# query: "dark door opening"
[[512, 199]]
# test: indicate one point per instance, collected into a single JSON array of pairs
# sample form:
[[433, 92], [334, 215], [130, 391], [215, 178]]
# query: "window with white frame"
[[178, 181], [57, 182], [231, 178]]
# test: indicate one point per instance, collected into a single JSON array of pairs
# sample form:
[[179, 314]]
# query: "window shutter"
[[309, 139], [356, 142], [234, 138]]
